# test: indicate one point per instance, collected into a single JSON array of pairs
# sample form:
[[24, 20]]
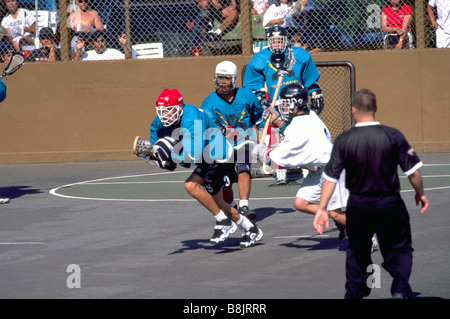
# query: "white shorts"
[[311, 189]]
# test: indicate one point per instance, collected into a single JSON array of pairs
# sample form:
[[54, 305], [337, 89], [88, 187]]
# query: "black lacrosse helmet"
[[294, 97], [278, 39]]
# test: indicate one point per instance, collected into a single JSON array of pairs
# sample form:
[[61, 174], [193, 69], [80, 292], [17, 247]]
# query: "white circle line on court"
[[54, 191]]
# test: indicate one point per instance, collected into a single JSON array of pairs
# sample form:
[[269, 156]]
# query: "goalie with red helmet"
[[200, 143]]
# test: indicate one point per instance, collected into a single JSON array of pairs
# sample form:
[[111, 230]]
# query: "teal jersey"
[[201, 139], [260, 70], [241, 114]]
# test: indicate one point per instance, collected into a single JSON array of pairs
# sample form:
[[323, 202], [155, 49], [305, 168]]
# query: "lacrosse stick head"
[[141, 147], [169, 107], [16, 61]]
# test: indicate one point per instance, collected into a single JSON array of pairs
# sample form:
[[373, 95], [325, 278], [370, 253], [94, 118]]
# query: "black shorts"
[[216, 176]]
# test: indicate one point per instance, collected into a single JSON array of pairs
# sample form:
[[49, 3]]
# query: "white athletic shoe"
[[250, 237], [281, 177], [222, 230], [4, 200]]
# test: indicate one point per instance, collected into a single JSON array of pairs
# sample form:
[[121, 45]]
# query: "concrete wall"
[[91, 111]]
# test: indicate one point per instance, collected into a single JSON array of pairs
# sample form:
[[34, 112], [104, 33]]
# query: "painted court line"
[[107, 181]]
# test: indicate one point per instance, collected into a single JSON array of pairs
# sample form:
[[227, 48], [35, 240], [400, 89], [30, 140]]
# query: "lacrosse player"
[[200, 143], [15, 62], [306, 143], [235, 111], [269, 64]]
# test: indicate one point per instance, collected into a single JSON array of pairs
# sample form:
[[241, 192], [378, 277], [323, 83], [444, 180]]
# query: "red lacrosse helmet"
[[169, 107]]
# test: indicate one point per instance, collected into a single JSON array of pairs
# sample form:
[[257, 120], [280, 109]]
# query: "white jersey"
[[25, 18], [277, 12], [306, 143], [108, 54], [443, 13]]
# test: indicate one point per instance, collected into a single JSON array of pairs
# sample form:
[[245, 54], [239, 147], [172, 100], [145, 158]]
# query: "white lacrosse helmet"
[[225, 77], [169, 107]]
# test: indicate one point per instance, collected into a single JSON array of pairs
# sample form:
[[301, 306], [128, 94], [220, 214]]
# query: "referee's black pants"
[[388, 218]]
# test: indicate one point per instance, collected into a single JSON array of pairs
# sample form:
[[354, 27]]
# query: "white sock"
[[218, 31], [243, 202], [220, 216], [244, 223]]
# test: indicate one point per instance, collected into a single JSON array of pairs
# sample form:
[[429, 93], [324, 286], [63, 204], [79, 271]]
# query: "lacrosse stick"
[[298, 5], [281, 74], [142, 148], [16, 61]]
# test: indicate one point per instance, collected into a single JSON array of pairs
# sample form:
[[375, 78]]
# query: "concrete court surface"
[[110, 237]]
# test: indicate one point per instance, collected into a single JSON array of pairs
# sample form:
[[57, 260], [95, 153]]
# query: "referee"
[[370, 154]]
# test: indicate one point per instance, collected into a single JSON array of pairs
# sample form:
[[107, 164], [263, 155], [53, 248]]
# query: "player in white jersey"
[[306, 143]]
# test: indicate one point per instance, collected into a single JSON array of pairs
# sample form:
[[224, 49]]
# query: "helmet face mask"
[[293, 98], [278, 39], [225, 77], [169, 107]]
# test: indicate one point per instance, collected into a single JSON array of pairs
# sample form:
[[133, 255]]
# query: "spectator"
[[49, 52], [259, 7], [6, 51], [442, 24], [20, 24], [225, 11], [278, 14], [84, 20], [100, 51], [395, 20], [307, 36]]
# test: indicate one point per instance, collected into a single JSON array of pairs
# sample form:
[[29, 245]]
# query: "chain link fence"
[[185, 28]]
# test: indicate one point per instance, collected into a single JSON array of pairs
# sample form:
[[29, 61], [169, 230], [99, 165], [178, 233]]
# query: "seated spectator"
[[442, 24], [84, 20], [20, 24], [224, 11], [278, 14], [100, 51], [6, 52], [395, 20], [49, 52]]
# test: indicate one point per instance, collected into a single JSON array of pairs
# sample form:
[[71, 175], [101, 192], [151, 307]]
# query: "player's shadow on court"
[[18, 191], [316, 242], [264, 212], [228, 246]]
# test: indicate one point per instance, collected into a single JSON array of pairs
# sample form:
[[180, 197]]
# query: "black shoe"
[[250, 237], [222, 230], [247, 212]]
